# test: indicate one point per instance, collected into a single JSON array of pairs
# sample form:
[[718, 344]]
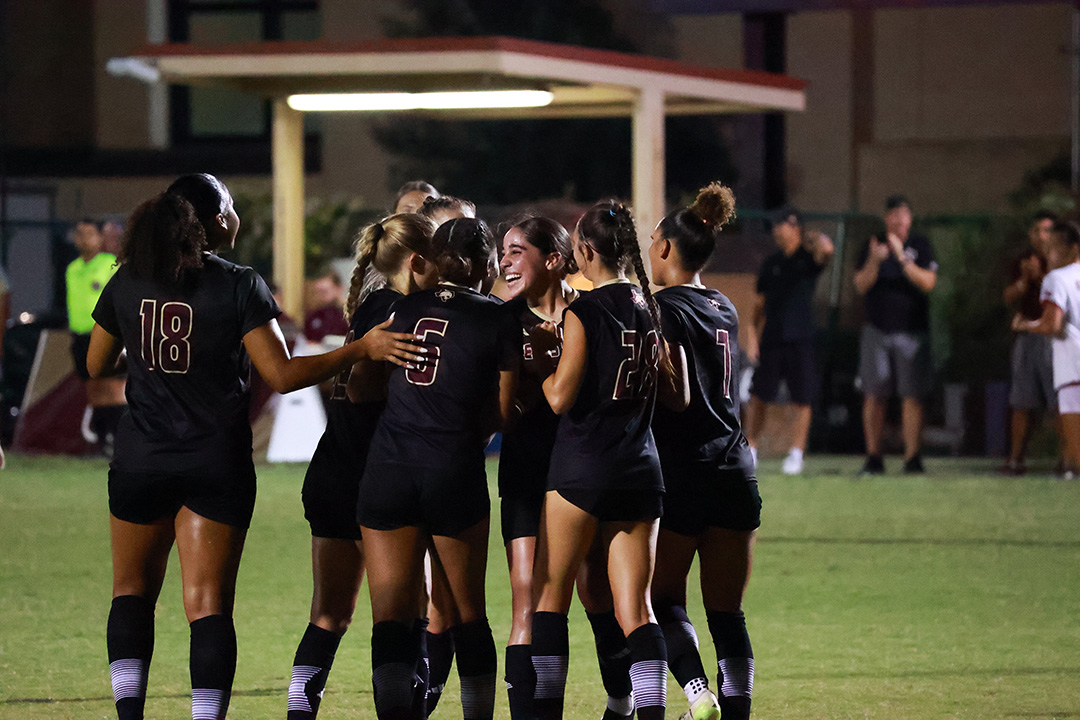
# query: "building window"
[[219, 114]]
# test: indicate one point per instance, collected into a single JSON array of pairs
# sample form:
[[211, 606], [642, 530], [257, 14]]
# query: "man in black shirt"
[[783, 325], [895, 273]]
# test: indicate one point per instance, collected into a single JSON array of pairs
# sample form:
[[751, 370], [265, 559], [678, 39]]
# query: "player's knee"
[[203, 601], [336, 623]]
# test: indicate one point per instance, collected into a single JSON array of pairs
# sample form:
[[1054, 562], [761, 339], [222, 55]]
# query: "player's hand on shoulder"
[[379, 343]]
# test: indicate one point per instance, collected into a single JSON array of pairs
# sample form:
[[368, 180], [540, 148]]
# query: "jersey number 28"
[[634, 380], [165, 336]]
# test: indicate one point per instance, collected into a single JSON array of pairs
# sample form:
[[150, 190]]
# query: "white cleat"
[[793, 463]]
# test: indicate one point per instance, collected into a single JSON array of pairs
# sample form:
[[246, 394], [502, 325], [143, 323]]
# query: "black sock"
[[550, 659], [130, 640], [420, 688], [394, 652], [478, 664], [612, 654], [735, 661], [648, 670], [311, 665], [213, 665], [520, 681], [440, 659], [684, 658]]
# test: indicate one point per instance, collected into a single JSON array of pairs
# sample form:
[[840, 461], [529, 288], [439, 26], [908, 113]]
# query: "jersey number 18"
[[165, 336]]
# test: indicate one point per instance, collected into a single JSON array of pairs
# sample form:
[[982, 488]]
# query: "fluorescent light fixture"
[[466, 99]]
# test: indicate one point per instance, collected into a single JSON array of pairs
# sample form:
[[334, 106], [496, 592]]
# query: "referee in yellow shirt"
[[85, 278]]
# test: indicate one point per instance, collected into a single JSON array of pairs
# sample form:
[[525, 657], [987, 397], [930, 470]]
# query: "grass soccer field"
[[955, 595]]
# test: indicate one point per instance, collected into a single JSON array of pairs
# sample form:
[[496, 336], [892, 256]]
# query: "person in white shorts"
[[1061, 319]]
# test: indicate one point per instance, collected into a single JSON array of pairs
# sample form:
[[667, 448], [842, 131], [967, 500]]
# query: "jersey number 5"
[[634, 380], [425, 373], [165, 336]]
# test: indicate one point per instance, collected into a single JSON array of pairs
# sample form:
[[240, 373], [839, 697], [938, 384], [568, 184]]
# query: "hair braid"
[[630, 251], [367, 242]]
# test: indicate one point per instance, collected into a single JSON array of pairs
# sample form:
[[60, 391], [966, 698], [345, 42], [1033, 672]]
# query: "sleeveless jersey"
[[707, 437], [188, 372], [604, 441]]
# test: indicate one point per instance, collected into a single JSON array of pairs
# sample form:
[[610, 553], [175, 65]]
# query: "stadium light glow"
[[462, 100]]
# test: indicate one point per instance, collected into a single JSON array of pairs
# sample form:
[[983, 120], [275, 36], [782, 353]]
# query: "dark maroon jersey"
[[438, 415], [604, 440], [188, 373], [706, 438]]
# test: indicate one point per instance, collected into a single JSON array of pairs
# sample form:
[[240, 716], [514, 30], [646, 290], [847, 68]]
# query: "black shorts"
[[442, 503], [143, 497], [80, 345], [617, 505], [330, 495], [521, 515], [792, 362], [731, 503]]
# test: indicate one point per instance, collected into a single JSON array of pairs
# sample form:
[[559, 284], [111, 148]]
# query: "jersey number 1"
[[165, 336], [724, 341]]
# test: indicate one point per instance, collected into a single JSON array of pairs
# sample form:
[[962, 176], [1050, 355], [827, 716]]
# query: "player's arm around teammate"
[[711, 506], [182, 471], [604, 478]]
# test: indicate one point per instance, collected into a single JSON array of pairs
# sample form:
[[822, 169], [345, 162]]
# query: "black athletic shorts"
[[142, 497], [80, 345], [521, 515], [617, 505], [441, 502], [731, 502], [792, 362], [330, 495]]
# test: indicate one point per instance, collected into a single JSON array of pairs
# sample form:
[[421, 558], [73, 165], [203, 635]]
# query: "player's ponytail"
[[164, 240], [380, 248], [693, 230]]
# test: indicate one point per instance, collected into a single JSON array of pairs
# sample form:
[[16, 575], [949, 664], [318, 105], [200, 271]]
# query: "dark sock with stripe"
[[478, 666], [648, 671], [520, 681], [213, 665], [395, 649], [420, 689], [130, 641], [550, 659], [735, 662], [311, 666], [612, 654], [684, 658], [440, 659]]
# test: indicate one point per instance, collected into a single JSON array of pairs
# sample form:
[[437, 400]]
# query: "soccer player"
[[425, 484], [536, 258], [1061, 319], [394, 249], [446, 207], [604, 480], [182, 472], [412, 195], [1032, 362], [711, 506], [783, 324]]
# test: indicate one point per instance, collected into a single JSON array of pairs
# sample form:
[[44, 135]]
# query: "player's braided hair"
[[693, 230], [164, 240], [608, 228], [462, 248], [380, 248]]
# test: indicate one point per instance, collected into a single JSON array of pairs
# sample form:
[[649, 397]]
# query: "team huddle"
[[622, 455]]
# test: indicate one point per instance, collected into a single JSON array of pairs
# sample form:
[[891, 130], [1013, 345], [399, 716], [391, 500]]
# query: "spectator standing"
[[327, 316], [783, 327], [1032, 362], [895, 273]]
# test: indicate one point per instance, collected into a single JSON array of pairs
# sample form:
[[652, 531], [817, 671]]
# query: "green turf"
[[949, 596]]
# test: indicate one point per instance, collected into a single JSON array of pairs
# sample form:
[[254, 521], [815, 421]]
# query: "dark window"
[[219, 114]]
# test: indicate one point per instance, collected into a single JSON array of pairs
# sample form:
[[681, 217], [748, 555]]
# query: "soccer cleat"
[[793, 463], [705, 707], [913, 465], [874, 465]]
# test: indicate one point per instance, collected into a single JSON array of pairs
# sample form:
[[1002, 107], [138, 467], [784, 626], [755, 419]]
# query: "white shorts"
[[1069, 400]]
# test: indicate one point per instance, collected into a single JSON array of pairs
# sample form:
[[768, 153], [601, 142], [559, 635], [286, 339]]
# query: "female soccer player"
[[604, 480], [712, 506], [394, 249], [425, 481], [182, 471], [537, 256], [1061, 318]]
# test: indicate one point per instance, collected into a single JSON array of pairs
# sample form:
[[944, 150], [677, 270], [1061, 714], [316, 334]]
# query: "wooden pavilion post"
[[648, 163], [288, 182]]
